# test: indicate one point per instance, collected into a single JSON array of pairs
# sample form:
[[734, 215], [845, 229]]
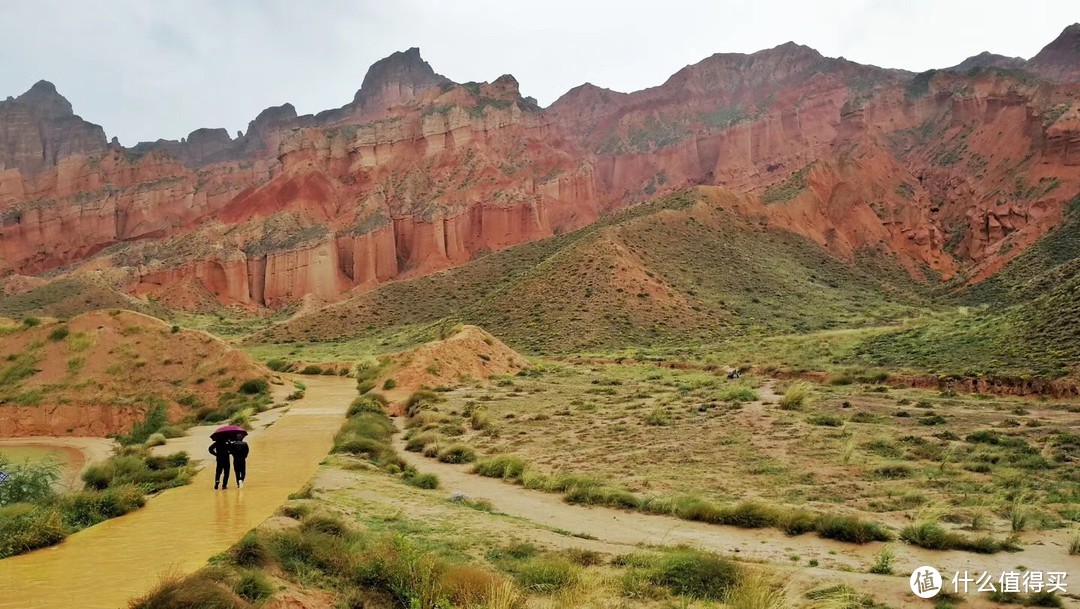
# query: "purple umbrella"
[[228, 430]]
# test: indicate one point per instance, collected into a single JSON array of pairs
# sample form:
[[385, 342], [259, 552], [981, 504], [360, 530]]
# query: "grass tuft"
[[796, 396]]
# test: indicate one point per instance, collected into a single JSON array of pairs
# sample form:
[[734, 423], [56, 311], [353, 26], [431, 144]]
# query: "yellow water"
[[179, 530], [34, 453]]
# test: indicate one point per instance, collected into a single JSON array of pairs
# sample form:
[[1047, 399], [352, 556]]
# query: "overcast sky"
[[148, 69]]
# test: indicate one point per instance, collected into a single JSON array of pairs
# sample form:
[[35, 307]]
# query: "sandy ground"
[[838, 562]]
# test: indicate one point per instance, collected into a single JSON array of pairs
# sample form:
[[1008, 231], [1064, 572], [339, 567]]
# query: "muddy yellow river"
[[179, 530]]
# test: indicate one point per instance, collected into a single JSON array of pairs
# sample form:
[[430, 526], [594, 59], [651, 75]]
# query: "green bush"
[[884, 563], [740, 394], [546, 574], [138, 467], [389, 384], [172, 431], [933, 419], [22, 367], [367, 434], [457, 453], [851, 529], [157, 439], [365, 404], [514, 550], [750, 515], [418, 442], [155, 419], [795, 397], [163, 462], [296, 511], [253, 586], [198, 590], [592, 494], [421, 400], [304, 552], [326, 525], [279, 365], [255, 386], [507, 467], [479, 420], [796, 521], [826, 420], [31, 322], [373, 450], [311, 369], [28, 482], [657, 418], [87, 508], [932, 536], [58, 333], [1043, 598], [33, 528], [425, 481], [695, 574], [251, 551]]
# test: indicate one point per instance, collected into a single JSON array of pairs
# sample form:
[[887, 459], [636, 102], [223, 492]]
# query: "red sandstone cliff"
[[955, 171]]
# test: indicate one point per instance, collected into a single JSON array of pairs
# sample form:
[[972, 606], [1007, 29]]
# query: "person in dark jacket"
[[220, 450], [239, 450]]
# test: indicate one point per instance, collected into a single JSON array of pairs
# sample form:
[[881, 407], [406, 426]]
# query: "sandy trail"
[[179, 530]]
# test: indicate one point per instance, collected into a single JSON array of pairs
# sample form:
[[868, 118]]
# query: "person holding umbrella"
[[221, 449], [239, 450]]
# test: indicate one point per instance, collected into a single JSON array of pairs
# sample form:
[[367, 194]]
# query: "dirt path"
[[179, 530], [837, 561]]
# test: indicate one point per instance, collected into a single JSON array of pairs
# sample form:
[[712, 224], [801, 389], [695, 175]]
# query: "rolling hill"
[[684, 269]]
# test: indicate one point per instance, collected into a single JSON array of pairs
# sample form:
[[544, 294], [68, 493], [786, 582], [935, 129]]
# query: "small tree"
[[27, 482]]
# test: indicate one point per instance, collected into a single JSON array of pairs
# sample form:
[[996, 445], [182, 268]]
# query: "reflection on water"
[[178, 531]]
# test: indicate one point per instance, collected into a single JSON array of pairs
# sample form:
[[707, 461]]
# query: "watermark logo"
[[1011, 581], [925, 582]]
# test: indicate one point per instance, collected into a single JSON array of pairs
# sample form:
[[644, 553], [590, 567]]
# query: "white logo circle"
[[925, 582]]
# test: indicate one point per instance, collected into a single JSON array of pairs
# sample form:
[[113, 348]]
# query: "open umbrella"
[[228, 431]]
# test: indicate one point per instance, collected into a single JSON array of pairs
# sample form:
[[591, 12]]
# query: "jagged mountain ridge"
[[949, 172]]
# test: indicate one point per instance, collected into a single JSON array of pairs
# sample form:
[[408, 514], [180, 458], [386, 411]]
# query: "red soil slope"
[[102, 376]]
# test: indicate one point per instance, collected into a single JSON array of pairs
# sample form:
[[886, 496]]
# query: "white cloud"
[[146, 70]]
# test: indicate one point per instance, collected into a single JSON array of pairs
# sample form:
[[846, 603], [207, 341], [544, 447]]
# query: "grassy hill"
[[676, 271], [71, 296], [1022, 322], [1026, 321]]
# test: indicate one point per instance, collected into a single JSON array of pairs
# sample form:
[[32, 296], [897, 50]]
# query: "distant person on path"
[[220, 449], [239, 450]]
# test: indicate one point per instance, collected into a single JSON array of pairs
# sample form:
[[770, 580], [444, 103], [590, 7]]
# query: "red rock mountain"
[[954, 171]]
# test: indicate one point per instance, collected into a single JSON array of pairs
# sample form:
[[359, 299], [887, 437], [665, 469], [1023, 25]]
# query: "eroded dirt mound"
[[469, 354], [100, 373]]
